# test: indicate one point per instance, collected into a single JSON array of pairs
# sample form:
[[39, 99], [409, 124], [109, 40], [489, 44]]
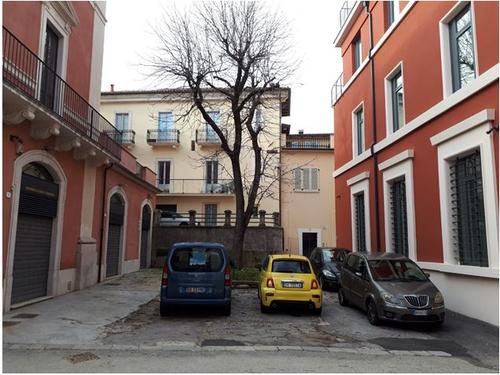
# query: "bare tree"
[[240, 51]]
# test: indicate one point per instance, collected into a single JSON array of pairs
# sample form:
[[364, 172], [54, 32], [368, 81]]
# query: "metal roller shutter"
[[31, 257], [113, 252]]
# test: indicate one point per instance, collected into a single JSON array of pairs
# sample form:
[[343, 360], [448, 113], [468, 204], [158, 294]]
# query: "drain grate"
[[221, 342], [9, 323], [82, 357], [112, 284], [25, 316]]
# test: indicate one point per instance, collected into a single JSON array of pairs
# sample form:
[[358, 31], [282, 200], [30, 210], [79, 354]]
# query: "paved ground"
[[115, 326]]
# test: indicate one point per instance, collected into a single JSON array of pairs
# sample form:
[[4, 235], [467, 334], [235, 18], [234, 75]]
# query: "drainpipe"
[[374, 126], [103, 205]]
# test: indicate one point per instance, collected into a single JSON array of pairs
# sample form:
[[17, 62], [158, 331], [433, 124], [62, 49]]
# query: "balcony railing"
[[25, 72], [168, 136], [308, 142], [337, 88], [207, 137], [346, 9], [128, 137], [196, 186]]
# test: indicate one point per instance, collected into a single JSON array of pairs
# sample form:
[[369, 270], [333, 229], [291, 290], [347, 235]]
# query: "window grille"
[[359, 217], [399, 216], [467, 211]]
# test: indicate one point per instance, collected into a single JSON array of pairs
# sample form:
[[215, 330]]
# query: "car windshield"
[[197, 259], [291, 266], [396, 270], [328, 255]]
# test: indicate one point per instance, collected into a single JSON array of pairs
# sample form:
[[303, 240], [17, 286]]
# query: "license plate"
[[420, 312], [289, 284], [195, 290]]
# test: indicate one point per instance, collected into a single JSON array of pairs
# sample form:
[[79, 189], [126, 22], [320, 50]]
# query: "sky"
[[313, 23]]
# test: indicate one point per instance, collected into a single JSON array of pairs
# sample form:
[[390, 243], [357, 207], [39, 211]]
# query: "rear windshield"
[[291, 266], [197, 259]]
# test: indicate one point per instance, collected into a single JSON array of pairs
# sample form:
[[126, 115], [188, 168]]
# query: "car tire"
[[264, 309], [226, 310], [342, 298], [164, 310], [258, 293], [322, 282], [318, 311], [371, 313]]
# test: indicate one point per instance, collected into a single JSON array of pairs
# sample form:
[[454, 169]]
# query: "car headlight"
[[389, 298], [329, 274], [438, 299]]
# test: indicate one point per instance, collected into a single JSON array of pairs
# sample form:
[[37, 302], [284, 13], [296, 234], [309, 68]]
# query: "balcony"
[[168, 137], [128, 137], [337, 89], [308, 142], [33, 91], [207, 137], [197, 187], [345, 11]]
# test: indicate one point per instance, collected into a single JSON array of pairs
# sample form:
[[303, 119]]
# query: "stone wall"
[[259, 241]]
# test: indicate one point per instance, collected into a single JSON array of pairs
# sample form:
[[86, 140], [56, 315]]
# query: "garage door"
[[37, 209]]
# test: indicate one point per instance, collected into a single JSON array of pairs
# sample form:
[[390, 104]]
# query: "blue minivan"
[[196, 273]]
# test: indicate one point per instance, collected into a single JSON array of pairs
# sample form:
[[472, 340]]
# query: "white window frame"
[[359, 184], [129, 125], [400, 165], [310, 190], [170, 190], [457, 140], [444, 37], [355, 131], [389, 116]]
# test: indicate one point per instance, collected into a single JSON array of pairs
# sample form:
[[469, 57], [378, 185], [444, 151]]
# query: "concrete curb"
[[191, 346]]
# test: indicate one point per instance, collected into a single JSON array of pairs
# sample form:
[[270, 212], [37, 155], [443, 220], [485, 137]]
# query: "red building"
[[416, 129], [77, 207]]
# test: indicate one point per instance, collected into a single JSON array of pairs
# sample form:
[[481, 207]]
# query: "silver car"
[[390, 286]]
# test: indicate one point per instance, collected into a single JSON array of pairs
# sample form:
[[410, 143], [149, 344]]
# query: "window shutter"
[[314, 179], [297, 173], [209, 172], [215, 172], [306, 179]]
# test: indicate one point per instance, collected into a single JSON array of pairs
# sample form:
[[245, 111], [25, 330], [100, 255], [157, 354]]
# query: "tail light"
[[270, 283], [164, 277], [314, 284], [227, 276]]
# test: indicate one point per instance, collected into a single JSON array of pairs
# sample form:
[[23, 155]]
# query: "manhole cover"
[[221, 342], [82, 357], [25, 316], [9, 323]]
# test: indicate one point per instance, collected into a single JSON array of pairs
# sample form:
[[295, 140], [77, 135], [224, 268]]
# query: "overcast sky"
[[314, 24]]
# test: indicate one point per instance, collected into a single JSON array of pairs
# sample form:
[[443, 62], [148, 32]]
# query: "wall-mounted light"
[[18, 142]]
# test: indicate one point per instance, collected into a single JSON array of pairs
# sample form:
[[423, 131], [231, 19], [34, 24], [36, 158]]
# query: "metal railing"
[[27, 73], [345, 11], [206, 136], [139, 170], [164, 136], [308, 141], [128, 137], [337, 88], [196, 186], [187, 219]]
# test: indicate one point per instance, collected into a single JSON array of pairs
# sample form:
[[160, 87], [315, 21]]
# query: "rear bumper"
[[270, 295], [404, 314], [164, 299]]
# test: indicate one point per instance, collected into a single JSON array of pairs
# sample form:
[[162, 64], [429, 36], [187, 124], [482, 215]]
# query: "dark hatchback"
[[196, 273], [390, 286], [327, 263]]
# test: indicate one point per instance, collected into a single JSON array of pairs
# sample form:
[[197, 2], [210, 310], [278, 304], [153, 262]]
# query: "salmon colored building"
[[416, 134], [77, 207]]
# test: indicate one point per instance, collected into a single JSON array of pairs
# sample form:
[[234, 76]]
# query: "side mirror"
[[358, 274], [428, 275]]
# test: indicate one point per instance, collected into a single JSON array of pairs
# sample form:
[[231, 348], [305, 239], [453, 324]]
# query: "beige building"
[[307, 199], [193, 172]]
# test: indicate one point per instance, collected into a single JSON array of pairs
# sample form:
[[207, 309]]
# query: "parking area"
[[124, 313]]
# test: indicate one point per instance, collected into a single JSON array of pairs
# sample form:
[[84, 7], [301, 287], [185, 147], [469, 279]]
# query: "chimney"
[[112, 87], [301, 131]]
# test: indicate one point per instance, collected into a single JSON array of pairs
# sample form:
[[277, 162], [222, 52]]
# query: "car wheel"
[[164, 310], [226, 310], [322, 282], [371, 313], [258, 293], [342, 299], [264, 309], [318, 311]]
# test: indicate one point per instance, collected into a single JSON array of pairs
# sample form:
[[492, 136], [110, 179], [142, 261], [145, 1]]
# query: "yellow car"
[[287, 278]]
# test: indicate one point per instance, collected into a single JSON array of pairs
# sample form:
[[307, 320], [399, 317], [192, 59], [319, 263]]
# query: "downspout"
[[103, 205], [374, 126]]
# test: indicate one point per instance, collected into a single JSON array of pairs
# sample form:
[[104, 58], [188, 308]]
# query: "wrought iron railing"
[[170, 219], [27, 73], [163, 136], [308, 141], [128, 137], [207, 136], [196, 186], [345, 11], [337, 88]]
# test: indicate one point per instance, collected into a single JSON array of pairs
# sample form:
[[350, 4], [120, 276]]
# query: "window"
[[397, 101], [462, 48], [211, 215], [291, 266], [50, 68], [399, 219], [467, 209], [390, 12], [211, 134], [356, 46], [121, 121], [258, 121], [354, 263], [359, 212], [306, 179], [359, 132], [164, 175], [211, 175], [197, 259]]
